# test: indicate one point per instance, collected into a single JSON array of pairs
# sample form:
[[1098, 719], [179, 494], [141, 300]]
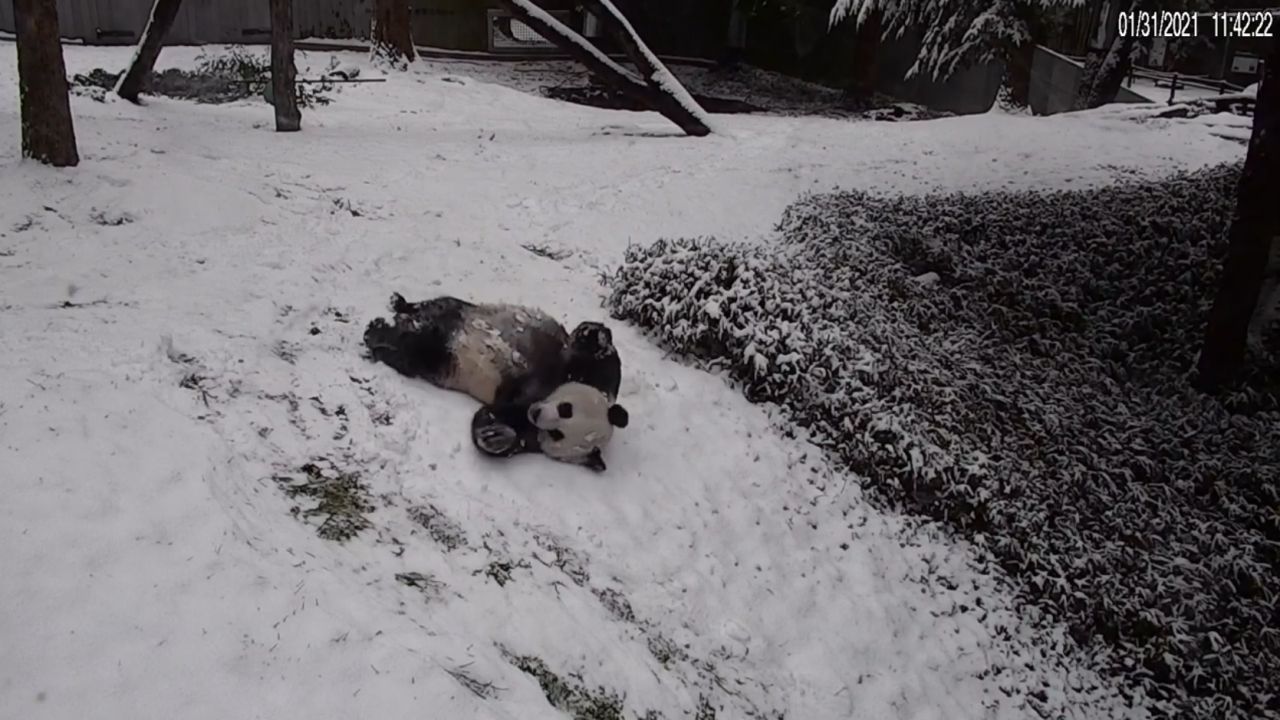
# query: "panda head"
[[592, 339], [575, 422]]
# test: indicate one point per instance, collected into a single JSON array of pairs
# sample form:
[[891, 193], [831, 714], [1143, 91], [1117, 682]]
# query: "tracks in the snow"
[[341, 440]]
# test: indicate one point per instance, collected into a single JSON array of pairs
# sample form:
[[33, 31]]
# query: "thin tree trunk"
[[1088, 73], [1111, 74], [48, 134], [735, 40], [690, 119], [1253, 225], [163, 13], [866, 45], [283, 85], [1018, 74], [1104, 72], [392, 31]]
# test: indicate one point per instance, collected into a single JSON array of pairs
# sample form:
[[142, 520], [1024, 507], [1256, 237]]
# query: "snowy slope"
[[181, 318]]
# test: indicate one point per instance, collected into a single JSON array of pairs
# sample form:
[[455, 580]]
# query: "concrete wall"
[[450, 24], [108, 22], [461, 24], [1054, 79]]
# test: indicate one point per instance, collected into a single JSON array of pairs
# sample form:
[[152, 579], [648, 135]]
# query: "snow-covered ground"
[[1224, 125], [180, 320]]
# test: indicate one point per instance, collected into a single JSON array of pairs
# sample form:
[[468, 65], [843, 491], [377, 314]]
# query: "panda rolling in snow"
[[543, 389], [572, 424]]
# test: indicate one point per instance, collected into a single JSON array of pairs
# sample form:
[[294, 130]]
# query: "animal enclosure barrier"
[[120, 22], [508, 34]]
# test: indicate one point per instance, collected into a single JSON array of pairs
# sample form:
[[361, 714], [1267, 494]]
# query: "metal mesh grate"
[[508, 33]]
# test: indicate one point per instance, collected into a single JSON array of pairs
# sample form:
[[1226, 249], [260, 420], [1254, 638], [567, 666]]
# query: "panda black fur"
[[593, 360], [507, 357], [478, 349]]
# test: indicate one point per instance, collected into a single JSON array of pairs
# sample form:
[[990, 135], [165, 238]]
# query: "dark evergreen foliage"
[[1017, 366]]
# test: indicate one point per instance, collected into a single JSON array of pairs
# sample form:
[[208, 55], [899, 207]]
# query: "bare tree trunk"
[[1104, 72], [163, 13], [669, 100], [1018, 74], [1111, 73], [48, 134], [392, 31], [864, 74], [283, 74], [1255, 222]]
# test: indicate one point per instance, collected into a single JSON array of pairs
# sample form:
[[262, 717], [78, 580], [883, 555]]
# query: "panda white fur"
[[573, 424], [508, 357], [468, 347]]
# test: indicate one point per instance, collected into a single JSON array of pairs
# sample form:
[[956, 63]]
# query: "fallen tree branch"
[[656, 75], [691, 121]]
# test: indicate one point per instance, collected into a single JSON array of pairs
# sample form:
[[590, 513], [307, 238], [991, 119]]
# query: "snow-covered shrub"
[[1015, 364], [225, 77], [569, 694]]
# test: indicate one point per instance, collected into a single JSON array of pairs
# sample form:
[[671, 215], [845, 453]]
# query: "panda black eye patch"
[[555, 435], [564, 410]]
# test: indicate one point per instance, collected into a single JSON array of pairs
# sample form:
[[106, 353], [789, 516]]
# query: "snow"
[[915, 390], [182, 316]]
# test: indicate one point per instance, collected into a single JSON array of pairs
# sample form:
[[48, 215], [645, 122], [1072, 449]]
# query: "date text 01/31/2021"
[[1174, 25]]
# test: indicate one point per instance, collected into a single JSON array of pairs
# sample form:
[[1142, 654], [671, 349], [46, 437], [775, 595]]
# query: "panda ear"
[[618, 416], [595, 460]]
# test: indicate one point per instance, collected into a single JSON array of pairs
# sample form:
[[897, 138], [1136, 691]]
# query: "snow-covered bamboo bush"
[[1014, 364]]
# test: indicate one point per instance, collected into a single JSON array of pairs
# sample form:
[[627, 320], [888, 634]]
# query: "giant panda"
[[513, 359], [572, 424]]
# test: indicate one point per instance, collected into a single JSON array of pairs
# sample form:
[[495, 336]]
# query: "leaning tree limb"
[[691, 120], [656, 75], [1255, 222], [163, 13]]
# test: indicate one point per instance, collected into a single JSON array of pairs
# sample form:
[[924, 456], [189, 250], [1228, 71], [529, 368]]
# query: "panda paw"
[[495, 438], [377, 334]]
